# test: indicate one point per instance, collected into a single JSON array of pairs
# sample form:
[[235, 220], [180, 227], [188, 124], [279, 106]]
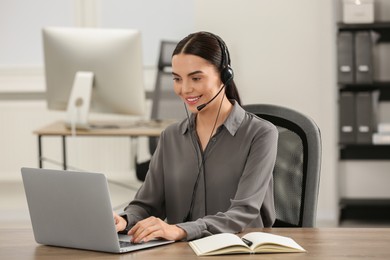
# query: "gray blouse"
[[234, 188]]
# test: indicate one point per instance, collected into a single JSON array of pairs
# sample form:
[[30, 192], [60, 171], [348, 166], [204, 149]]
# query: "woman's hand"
[[153, 227], [120, 223]]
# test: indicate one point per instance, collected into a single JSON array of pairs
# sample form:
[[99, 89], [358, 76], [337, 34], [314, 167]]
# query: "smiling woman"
[[211, 172]]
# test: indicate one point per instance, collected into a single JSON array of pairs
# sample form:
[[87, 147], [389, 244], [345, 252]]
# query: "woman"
[[211, 172]]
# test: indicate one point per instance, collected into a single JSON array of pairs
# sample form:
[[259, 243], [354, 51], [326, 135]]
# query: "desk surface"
[[323, 243], [136, 128]]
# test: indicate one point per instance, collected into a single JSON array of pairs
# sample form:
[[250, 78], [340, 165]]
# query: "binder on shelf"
[[366, 116], [347, 125], [345, 57], [364, 71], [381, 138], [382, 62], [384, 128]]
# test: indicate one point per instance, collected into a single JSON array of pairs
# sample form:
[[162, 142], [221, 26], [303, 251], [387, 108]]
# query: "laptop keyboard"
[[125, 244]]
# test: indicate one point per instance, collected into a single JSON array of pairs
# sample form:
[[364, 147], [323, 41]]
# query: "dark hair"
[[211, 48]]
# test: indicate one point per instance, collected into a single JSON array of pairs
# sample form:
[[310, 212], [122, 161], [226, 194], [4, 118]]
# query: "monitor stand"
[[80, 101]]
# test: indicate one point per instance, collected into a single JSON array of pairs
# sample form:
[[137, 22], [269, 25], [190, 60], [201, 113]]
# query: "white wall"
[[20, 26], [158, 20], [21, 23], [283, 53]]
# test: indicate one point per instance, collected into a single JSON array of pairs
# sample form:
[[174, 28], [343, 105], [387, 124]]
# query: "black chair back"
[[297, 168]]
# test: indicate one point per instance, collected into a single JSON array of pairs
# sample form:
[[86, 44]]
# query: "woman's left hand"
[[153, 227]]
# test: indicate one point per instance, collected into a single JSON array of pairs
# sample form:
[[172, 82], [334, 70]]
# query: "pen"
[[247, 242]]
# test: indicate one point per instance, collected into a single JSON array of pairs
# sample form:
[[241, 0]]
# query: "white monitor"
[[93, 69]]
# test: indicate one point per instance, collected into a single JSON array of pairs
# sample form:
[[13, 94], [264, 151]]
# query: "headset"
[[227, 73]]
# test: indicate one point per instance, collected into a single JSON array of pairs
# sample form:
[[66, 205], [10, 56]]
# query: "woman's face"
[[195, 80]]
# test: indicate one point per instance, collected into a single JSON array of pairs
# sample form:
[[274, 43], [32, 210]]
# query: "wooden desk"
[[323, 243], [131, 129]]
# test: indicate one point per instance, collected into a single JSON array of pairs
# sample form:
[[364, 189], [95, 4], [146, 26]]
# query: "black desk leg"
[[64, 152], [40, 151]]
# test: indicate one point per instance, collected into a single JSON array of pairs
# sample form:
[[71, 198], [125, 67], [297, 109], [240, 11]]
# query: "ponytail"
[[232, 92]]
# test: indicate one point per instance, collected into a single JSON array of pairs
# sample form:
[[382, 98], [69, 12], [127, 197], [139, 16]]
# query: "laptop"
[[73, 209]]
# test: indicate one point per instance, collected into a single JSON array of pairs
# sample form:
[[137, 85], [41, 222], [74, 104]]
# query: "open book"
[[254, 242]]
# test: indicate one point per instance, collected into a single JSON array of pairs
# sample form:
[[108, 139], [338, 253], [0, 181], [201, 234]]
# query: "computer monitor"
[[91, 69]]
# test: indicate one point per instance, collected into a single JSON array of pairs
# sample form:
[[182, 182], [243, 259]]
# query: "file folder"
[[345, 57], [364, 72], [347, 125], [366, 116]]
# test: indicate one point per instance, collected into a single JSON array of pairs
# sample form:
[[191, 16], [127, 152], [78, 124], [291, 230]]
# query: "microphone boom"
[[200, 107]]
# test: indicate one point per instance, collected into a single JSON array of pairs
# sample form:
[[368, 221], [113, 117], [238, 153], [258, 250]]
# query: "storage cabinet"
[[358, 77], [380, 33]]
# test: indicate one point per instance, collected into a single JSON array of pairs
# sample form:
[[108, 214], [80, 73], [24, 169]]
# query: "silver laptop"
[[73, 209]]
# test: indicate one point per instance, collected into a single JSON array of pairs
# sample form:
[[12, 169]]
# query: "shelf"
[[383, 87], [375, 84], [373, 202], [382, 28], [365, 209], [365, 152], [364, 26]]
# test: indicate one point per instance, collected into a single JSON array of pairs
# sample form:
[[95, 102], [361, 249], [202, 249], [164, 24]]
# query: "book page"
[[213, 243], [265, 242]]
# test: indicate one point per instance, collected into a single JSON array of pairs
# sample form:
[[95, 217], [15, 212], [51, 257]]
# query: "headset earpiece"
[[227, 75]]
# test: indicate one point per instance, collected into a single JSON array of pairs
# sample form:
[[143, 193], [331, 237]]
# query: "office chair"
[[166, 104], [297, 168]]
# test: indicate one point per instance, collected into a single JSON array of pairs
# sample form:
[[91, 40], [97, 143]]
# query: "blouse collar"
[[232, 122]]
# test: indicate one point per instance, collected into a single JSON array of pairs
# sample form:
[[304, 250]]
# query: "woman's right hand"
[[120, 223]]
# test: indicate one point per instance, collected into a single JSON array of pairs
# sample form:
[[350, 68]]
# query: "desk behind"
[[125, 129], [130, 129], [322, 243]]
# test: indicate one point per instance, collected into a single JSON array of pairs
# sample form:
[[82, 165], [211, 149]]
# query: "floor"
[[14, 209]]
